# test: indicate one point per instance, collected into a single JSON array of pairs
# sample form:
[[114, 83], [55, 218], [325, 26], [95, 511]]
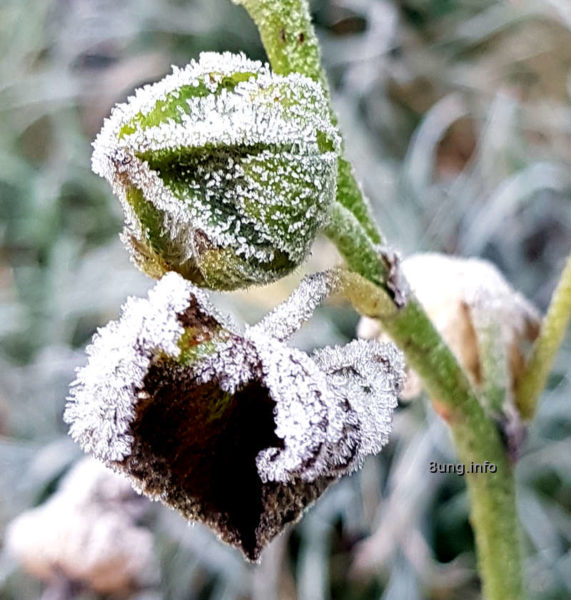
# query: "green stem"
[[354, 244], [553, 329], [291, 45], [494, 365], [288, 36], [492, 495]]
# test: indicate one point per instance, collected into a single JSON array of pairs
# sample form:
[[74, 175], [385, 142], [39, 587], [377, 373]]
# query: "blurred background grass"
[[457, 116]]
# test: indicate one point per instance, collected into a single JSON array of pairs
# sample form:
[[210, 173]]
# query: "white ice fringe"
[[101, 403]]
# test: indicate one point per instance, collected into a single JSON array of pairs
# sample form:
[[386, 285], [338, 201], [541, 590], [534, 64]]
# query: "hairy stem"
[[494, 364], [551, 336], [291, 45], [352, 240]]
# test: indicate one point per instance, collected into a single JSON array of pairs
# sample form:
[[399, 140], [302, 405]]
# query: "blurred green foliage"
[[458, 118]]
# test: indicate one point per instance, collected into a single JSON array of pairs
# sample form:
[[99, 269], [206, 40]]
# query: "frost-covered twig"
[[286, 318]]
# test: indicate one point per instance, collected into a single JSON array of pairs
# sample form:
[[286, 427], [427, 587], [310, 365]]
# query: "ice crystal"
[[287, 317], [225, 170], [234, 429]]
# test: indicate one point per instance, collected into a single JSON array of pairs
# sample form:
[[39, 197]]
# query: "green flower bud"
[[225, 170]]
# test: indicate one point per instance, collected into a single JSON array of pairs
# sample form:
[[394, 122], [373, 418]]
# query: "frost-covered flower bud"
[[225, 171], [234, 429]]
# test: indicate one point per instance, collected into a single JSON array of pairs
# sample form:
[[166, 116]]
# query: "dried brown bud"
[[234, 429]]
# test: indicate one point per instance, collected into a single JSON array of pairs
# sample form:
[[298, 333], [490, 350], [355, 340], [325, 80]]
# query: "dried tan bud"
[[463, 297], [86, 534]]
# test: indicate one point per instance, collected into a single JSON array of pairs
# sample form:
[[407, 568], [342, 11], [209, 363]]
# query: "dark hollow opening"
[[207, 443]]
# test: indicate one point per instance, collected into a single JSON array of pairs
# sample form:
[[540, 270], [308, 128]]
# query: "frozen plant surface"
[[119, 359], [225, 170], [234, 429], [489, 178]]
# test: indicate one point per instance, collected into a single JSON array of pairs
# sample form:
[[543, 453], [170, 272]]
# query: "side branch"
[[550, 338]]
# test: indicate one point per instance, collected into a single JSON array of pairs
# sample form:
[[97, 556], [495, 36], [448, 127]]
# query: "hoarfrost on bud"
[[101, 404], [225, 171], [234, 429]]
